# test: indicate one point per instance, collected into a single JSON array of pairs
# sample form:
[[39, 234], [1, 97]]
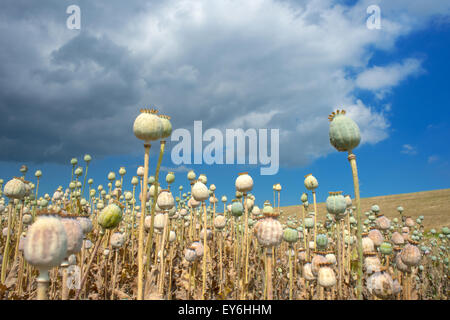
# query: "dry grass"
[[433, 205]]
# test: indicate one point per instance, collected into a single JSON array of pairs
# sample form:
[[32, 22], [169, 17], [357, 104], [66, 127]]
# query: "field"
[[434, 205]]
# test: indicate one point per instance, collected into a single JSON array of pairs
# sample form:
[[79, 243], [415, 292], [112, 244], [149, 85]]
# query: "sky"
[[262, 64]]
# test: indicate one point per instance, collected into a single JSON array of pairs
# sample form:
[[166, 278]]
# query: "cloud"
[[181, 168], [408, 149], [433, 159], [250, 64], [380, 79]]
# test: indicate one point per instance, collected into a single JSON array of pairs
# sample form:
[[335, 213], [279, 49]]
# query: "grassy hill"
[[433, 205]]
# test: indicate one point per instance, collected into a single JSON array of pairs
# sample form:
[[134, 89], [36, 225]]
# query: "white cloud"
[[181, 168], [433, 159], [383, 78], [409, 149]]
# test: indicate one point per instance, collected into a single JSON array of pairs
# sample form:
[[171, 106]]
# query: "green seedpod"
[[110, 216], [237, 209], [336, 203], [309, 223], [386, 248], [322, 241], [344, 132], [290, 235]]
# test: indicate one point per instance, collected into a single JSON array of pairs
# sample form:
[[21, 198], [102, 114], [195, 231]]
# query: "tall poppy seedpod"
[[344, 132], [200, 191], [148, 125], [304, 197], [166, 126], [236, 208], [165, 200], [170, 177], [345, 136], [336, 203], [191, 175], [110, 216], [311, 182], [15, 189], [244, 183]]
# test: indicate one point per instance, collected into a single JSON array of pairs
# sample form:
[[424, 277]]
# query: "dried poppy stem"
[[42, 285], [204, 252], [352, 160], [19, 231], [94, 252], [290, 272], [269, 274], [64, 288], [171, 257], [8, 239], [315, 219], [161, 252], [116, 254], [155, 196], [140, 280], [220, 262]]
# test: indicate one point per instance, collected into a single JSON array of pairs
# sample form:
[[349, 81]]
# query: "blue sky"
[[79, 91]]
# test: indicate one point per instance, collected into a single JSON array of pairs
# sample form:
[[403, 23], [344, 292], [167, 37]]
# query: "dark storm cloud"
[[232, 64]]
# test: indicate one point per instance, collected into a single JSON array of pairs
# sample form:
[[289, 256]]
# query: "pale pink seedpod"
[[383, 223], [302, 256], [410, 255], [46, 243], [372, 263], [368, 245], [409, 222], [165, 200], [326, 277], [220, 222], [376, 236], [397, 238], [172, 236], [159, 222], [117, 240], [307, 272], [316, 261], [405, 230], [183, 212], [269, 233], [209, 234], [192, 203], [381, 285], [198, 247], [74, 234], [400, 264], [190, 255], [147, 222]]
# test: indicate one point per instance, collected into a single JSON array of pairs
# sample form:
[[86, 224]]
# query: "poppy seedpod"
[[236, 208], [166, 126], [200, 191], [336, 203], [147, 126], [46, 242], [110, 216], [290, 235], [344, 132], [244, 183], [311, 182]]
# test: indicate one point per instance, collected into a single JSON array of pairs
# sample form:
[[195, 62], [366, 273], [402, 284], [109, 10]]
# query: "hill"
[[433, 205]]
